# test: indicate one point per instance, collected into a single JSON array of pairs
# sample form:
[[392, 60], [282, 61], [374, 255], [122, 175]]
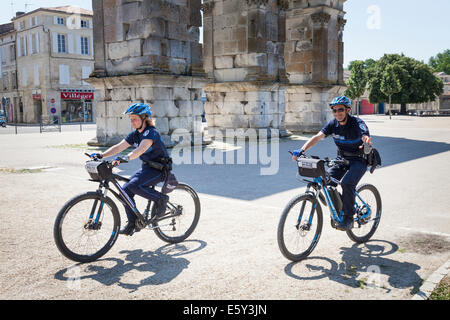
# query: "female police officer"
[[349, 134], [149, 147]]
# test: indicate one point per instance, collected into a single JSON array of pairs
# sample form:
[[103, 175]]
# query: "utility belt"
[[162, 164], [347, 154]]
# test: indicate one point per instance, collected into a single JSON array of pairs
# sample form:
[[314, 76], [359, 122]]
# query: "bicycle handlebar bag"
[[98, 170], [311, 168]]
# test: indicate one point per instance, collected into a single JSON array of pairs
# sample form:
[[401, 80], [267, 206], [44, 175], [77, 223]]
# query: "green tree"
[[418, 84], [441, 62], [357, 82], [390, 83]]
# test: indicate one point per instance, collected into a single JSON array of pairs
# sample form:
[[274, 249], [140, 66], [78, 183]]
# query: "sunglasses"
[[338, 110]]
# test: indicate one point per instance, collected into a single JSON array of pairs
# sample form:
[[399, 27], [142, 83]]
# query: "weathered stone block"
[[118, 50], [250, 60], [235, 74], [162, 125], [185, 107], [224, 62], [151, 46], [180, 123], [181, 93], [147, 27]]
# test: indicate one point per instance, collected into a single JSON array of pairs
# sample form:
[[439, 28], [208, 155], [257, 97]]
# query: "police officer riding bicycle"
[[349, 134], [149, 148]]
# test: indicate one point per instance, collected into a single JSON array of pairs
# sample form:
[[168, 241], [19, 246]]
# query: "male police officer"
[[349, 134]]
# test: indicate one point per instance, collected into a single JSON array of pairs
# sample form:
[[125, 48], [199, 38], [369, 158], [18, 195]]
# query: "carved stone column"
[[148, 51], [314, 58], [245, 63]]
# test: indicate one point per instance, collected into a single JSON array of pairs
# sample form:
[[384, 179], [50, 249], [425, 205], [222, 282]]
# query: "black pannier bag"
[[170, 184], [373, 160], [312, 168], [98, 170]]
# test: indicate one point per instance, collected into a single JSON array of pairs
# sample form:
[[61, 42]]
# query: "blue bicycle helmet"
[[341, 100], [139, 109]]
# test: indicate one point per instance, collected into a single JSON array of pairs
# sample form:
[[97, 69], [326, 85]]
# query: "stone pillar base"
[[175, 102], [243, 105], [307, 106]]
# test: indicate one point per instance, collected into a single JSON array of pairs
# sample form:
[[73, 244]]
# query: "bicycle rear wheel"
[[185, 205], [368, 213], [300, 227], [79, 235]]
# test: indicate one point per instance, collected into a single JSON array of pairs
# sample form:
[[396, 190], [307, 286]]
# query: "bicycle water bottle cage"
[[98, 170], [312, 168]]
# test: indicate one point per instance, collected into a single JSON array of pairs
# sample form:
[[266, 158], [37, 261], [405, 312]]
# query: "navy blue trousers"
[[140, 183], [349, 177]]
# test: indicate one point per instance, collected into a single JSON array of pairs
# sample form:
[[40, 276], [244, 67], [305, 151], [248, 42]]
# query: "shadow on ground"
[[363, 265], [152, 268]]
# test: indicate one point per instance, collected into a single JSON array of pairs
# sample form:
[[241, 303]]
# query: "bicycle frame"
[[125, 200], [319, 185]]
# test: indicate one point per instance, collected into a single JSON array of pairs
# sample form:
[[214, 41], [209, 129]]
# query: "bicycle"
[[87, 226], [298, 234]]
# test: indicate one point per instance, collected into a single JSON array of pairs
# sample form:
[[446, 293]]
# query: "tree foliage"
[[358, 80], [441, 62], [418, 83]]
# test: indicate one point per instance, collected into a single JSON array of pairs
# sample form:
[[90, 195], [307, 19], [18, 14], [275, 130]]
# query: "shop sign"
[[77, 95]]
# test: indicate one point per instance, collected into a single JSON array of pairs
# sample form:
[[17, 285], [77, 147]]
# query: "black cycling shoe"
[[128, 230], [161, 205], [346, 224]]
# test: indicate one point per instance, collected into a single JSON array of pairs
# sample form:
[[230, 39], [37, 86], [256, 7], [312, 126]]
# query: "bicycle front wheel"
[[300, 227], [86, 227], [183, 213], [368, 213]]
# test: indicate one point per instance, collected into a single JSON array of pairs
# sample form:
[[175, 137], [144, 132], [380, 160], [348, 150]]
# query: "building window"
[[84, 45], [84, 24], [60, 21], [12, 53], [21, 25], [23, 49], [61, 43], [33, 43]]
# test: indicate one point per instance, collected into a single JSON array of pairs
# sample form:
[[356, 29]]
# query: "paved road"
[[233, 253]]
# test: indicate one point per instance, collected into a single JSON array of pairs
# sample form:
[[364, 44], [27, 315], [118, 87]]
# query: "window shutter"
[[55, 20], [30, 44], [37, 42], [18, 47], [90, 23], [78, 44], [55, 41], [64, 74]]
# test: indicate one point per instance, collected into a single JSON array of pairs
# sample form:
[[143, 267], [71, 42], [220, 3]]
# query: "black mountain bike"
[[88, 225], [301, 222]]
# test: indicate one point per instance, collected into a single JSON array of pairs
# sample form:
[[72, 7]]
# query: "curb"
[[430, 284]]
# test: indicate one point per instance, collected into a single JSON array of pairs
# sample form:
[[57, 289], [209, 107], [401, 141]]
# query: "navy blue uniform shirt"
[[348, 137], [157, 149]]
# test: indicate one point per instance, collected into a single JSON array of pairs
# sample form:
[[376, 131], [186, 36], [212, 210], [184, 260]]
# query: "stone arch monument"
[[263, 63]]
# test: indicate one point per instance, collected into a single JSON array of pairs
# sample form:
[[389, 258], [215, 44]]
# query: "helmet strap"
[[143, 123]]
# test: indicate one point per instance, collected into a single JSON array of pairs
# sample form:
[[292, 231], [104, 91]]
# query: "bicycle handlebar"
[[330, 162], [105, 161]]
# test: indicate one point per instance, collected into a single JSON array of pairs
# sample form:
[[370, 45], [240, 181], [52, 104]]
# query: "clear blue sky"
[[420, 29]]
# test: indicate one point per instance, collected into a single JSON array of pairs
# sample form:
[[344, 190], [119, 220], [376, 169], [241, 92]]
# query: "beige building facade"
[[54, 55], [8, 73]]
